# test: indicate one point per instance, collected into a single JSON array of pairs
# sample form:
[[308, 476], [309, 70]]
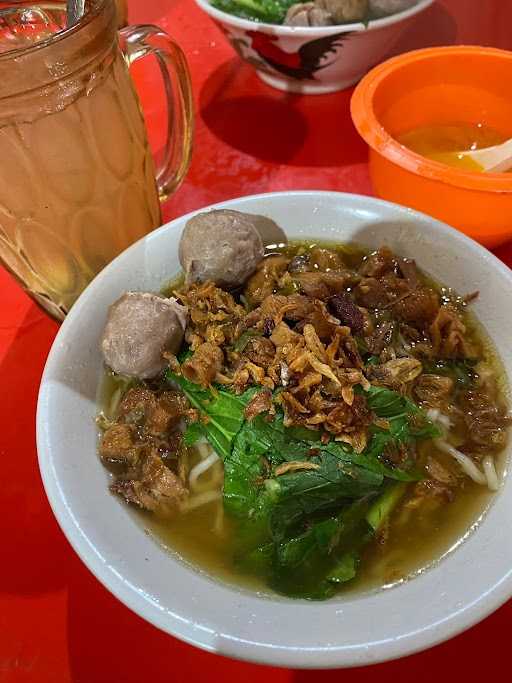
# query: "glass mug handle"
[[140, 41]]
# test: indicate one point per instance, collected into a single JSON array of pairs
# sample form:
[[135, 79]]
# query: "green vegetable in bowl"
[[267, 11], [305, 509]]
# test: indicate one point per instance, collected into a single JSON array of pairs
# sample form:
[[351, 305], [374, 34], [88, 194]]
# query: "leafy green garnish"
[[369, 458], [223, 410], [269, 11], [311, 564], [381, 509], [306, 492], [345, 569], [193, 433], [243, 466], [303, 526], [407, 423]]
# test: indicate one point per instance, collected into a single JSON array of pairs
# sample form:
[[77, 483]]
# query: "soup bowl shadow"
[[351, 630]]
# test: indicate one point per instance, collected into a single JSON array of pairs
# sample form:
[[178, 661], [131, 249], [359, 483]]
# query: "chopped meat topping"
[[321, 285], [156, 488], [347, 312], [433, 390], [419, 307], [142, 446], [157, 413], [265, 280], [485, 421], [448, 332], [260, 350], [117, 445], [379, 263]]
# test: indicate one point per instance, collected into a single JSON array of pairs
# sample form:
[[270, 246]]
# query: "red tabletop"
[[57, 623]]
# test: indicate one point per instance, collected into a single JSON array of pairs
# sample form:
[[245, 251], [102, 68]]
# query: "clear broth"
[[441, 142]]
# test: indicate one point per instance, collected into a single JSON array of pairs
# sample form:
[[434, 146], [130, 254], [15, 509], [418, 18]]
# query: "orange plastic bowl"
[[439, 86]]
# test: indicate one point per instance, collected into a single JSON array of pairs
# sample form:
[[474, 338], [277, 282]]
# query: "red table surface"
[[57, 623]]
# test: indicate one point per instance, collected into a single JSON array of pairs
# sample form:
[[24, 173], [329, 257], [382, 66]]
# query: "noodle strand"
[[490, 473], [201, 467], [467, 465], [201, 499]]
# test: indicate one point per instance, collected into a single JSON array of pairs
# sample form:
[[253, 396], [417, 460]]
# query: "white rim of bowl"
[[177, 625], [307, 31]]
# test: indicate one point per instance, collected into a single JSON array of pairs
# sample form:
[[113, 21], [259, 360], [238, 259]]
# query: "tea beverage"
[[77, 178]]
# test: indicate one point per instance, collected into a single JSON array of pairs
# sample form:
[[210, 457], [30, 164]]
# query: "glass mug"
[[77, 179]]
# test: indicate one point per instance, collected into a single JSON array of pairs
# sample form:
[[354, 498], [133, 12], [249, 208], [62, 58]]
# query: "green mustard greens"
[[267, 11], [305, 509]]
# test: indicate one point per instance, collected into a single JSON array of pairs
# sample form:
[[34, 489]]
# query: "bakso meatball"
[[269, 231], [307, 14], [382, 8], [223, 245], [140, 327], [344, 11]]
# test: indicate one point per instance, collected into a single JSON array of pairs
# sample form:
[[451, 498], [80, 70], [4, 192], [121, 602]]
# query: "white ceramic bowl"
[[460, 590], [313, 60]]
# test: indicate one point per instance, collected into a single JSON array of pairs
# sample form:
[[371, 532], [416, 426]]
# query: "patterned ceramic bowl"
[[313, 60]]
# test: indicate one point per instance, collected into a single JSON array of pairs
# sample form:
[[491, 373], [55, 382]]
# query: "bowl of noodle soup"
[[154, 572]]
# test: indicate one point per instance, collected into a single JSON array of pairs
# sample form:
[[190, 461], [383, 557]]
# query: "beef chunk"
[[117, 445], [440, 473], [156, 488], [325, 259], [321, 285], [266, 278], [166, 413], [373, 293], [342, 306], [380, 338], [378, 263], [486, 422], [419, 308], [433, 390], [448, 334], [136, 404], [157, 414], [410, 272]]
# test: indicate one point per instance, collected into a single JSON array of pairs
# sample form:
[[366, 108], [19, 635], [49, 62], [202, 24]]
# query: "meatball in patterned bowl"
[[324, 46], [336, 340]]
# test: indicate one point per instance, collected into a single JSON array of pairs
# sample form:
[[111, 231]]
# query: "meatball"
[[223, 246], [344, 11], [382, 8], [140, 327], [269, 231], [307, 14]]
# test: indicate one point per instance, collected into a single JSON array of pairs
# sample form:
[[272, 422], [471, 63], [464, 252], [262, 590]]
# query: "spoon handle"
[[74, 10], [496, 159]]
